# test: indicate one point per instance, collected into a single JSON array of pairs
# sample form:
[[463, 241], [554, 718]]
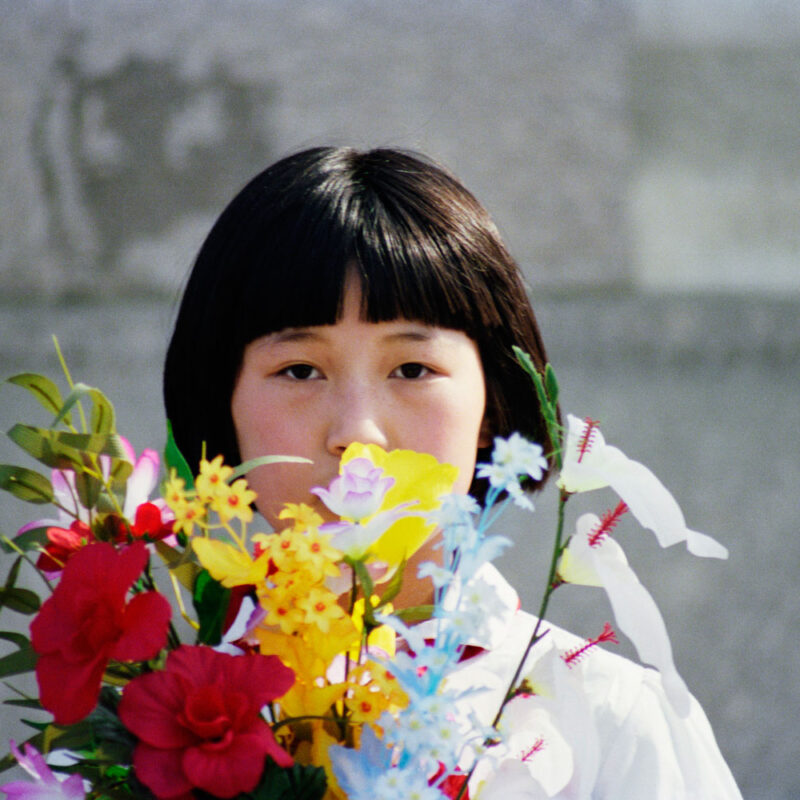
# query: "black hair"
[[279, 255]]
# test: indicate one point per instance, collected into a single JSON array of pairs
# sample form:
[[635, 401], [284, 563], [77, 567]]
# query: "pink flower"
[[199, 722], [86, 622], [45, 784], [358, 492]]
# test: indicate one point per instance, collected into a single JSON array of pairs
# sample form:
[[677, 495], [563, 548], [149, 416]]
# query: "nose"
[[355, 416]]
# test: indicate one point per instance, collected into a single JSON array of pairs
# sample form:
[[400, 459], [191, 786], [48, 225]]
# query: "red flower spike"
[[536, 747], [86, 622], [607, 524], [585, 443], [572, 657], [199, 723]]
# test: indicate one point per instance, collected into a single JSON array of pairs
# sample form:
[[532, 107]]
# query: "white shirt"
[[629, 742]]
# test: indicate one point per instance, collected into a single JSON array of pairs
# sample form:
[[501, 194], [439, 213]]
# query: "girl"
[[366, 296]]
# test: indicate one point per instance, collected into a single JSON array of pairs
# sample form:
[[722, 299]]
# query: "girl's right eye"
[[300, 372]]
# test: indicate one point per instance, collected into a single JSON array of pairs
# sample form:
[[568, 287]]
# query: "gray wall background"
[[641, 159]]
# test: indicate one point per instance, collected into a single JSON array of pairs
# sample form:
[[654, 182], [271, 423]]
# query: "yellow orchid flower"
[[417, 477]]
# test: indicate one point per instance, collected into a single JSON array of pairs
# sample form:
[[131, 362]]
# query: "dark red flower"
[[199, 722], [63, 543], [86, 622]]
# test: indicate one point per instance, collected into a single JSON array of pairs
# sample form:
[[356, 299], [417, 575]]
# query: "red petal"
[[263, 678], [150, 707], [161, 771], [148, 520], [69, 690], [144, 624], [228, 772]]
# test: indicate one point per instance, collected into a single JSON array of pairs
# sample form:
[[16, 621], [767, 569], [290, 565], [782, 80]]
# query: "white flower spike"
[[589, 463]]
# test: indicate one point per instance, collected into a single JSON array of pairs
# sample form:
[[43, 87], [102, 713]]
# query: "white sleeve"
[[651, 753]]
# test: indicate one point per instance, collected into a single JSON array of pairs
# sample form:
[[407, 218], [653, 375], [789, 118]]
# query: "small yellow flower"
[[234, 501], [188, 513], [212, 480], [321, 608], [305, 518]]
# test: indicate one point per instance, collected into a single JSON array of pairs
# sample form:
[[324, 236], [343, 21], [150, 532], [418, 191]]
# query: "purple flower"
[[45, 786], [358, 492]]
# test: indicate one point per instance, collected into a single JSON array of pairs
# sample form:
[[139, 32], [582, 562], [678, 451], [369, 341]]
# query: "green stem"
[[550, 588]]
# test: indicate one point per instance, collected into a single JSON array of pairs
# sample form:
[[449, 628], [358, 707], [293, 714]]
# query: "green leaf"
[[362, 573], [18, 639], [30, 540], [102, 410], [13, 573], [551, 384], [103, 417], [393, 587], [25, 484], [42, 388], [210, 600], [77, 452], [181, 564], [174, 459], [23, 601], [414, 613], [290, 783], [22, 660], [27, 702], [246, 466]]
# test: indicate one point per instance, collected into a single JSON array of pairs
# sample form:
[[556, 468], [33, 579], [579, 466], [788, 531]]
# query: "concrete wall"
[[640, 158]]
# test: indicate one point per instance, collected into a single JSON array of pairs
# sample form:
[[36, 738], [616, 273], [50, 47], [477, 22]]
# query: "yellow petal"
[[228, 564]]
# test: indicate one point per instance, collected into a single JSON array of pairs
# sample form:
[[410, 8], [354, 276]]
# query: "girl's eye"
[[410, 370], [300, 372]]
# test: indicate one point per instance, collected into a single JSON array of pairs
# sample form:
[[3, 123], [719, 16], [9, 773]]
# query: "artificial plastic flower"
[[589, 463], [199, 722], [86, 622], [358, 491], [514, 458], [70, 530], [398, 530], [46, 784], [592, 560]]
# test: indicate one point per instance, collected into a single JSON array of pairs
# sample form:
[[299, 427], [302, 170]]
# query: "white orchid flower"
[[589, 560], [589, 463]]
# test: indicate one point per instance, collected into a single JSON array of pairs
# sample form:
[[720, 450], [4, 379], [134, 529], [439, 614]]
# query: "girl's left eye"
[[410, 370]]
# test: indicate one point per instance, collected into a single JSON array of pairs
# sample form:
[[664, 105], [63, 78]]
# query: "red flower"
[[147, 522], [86, 622], [63, 544], [199, 722]]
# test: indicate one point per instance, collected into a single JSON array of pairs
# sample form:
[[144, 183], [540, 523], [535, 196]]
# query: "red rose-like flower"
[[199, 721], [86, 622]]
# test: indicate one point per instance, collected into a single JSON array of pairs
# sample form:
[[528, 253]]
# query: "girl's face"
[[312, 391]]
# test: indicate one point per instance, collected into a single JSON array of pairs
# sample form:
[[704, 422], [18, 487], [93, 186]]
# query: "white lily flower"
[[603, 563], [589, 463]]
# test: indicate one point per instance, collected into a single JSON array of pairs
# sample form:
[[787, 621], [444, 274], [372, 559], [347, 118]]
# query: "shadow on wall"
[[117, 151]]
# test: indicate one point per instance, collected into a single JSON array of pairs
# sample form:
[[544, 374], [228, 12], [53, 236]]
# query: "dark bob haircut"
[[422, 246]]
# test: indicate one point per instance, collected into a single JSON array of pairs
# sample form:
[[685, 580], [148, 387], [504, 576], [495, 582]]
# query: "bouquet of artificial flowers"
[[302, 679]]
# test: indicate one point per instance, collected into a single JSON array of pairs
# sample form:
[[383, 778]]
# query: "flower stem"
[[549, 589]]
